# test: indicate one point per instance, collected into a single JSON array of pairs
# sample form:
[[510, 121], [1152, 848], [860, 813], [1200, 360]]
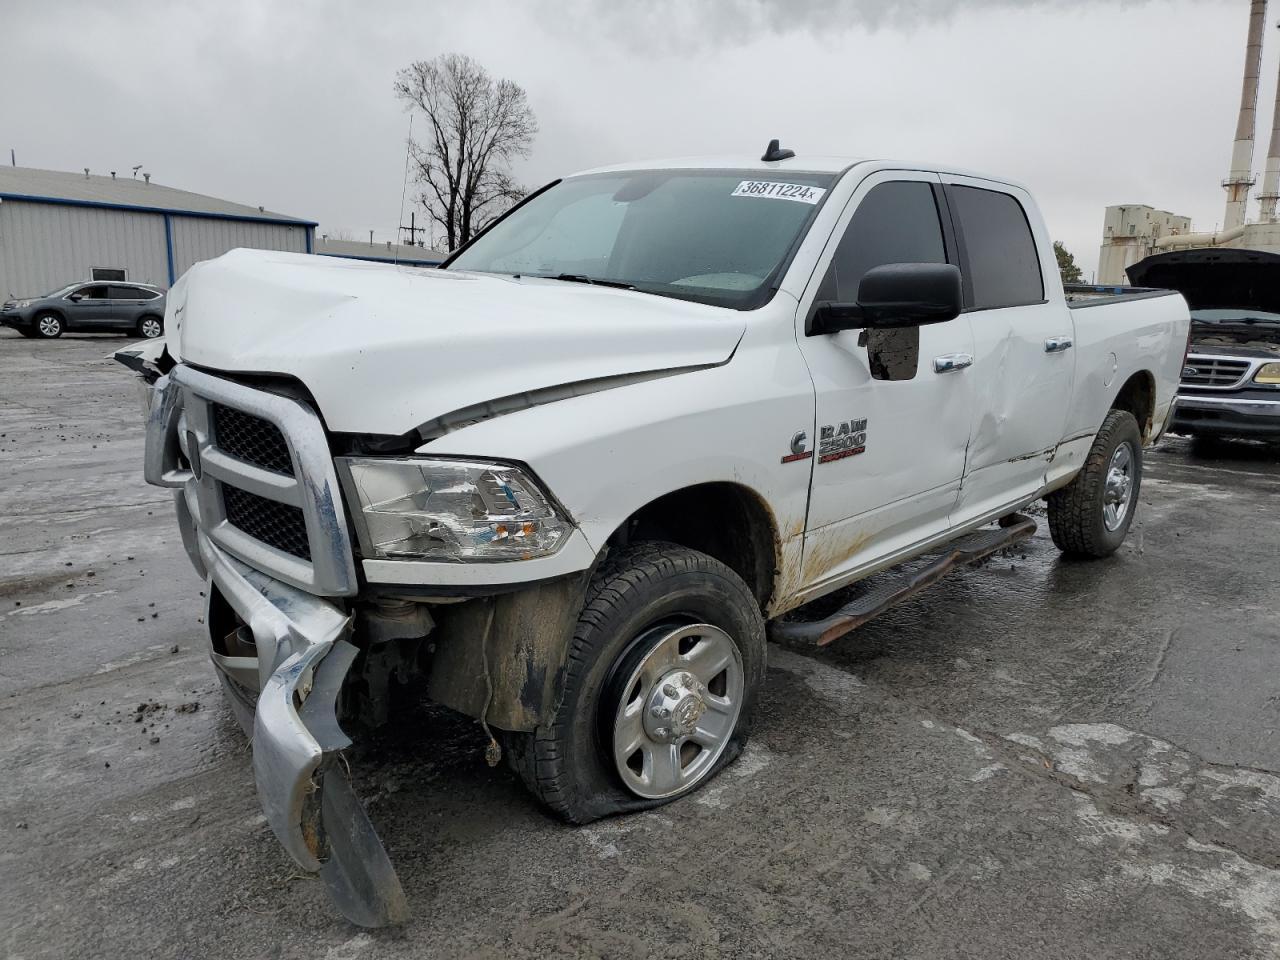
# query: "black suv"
[[95, 306]]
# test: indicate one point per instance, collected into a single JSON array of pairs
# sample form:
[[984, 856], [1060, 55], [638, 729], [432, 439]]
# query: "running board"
[[896, 587]]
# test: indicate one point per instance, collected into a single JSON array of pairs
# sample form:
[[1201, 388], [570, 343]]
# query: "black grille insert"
[[277, 525], [251, 439]]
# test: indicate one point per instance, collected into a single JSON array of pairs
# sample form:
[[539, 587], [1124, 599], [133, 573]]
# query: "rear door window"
[[896, 222], [1002, 266], [126, 293]]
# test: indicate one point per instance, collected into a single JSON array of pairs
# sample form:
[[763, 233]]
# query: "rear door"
[[126, 304], [1024, 363], [887, 448]]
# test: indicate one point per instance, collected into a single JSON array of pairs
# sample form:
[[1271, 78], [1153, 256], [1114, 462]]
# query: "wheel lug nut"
[[662, 733], [669, 690]]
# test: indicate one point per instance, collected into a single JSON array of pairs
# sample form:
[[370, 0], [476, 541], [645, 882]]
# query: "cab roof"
[[800, 164]]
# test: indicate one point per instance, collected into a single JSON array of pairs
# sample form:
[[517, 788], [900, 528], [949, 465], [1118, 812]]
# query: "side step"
[[898, 587]]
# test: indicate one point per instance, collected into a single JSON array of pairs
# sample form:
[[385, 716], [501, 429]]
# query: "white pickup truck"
[[574, 478]]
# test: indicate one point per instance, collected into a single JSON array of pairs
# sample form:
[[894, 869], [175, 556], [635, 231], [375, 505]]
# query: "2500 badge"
[[845, 439], [835, 442]]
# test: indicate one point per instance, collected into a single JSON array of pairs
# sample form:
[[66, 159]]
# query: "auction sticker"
[[773, 190]]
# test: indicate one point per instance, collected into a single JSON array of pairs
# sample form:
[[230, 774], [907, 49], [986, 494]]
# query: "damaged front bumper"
[[303, 657], [286, 694]]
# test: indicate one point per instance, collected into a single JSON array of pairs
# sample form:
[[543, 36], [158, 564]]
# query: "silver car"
[[92, 306]]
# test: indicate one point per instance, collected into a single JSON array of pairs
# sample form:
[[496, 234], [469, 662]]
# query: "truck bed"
[[1081, 295]]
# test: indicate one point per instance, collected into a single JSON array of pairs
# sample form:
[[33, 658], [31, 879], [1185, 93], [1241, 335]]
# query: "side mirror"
[[75, 297], [895, 295]]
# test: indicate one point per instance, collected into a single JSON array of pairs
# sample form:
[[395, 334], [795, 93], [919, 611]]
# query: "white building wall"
[[1129, 234], [44, 246], [197, 238], [1259, 236]]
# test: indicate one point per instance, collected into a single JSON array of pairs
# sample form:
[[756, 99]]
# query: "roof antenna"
[[775, 152]]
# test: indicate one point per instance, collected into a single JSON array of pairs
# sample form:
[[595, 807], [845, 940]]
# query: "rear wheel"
[[49, 325], [150, 327], [1090, 517], [663, 671]]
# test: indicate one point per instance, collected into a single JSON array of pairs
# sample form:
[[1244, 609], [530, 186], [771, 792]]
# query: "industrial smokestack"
[[1271, 179], [1240, 179]]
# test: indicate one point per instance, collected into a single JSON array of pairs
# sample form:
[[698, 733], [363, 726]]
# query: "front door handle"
[[1057, 344], [952, 361]]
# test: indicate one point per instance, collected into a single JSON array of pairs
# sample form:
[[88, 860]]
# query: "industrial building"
[[58, 227], [1134, 232]]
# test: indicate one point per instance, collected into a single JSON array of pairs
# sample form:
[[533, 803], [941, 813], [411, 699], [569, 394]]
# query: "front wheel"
[[1090, 517], [663, 671], [49, 325]]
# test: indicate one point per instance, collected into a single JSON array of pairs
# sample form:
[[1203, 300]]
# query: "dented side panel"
[[1022, 388]]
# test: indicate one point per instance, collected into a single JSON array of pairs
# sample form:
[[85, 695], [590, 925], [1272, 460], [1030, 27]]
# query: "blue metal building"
[[58, 227]]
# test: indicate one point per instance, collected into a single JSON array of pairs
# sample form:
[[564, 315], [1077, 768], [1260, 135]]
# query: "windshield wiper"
[[594, 281]]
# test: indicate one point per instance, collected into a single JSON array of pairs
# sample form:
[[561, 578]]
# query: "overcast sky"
[[290, 105]]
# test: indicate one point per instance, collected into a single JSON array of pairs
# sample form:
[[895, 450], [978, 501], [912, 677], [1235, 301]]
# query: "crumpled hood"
[[384, 349]]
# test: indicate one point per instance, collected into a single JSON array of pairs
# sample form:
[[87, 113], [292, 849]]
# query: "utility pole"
[[413, 229]]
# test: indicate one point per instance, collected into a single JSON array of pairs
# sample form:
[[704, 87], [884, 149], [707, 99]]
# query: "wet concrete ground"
[[1037, 758]]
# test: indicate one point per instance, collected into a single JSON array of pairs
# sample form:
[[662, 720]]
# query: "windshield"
[[714, 236], [61, 291], [1234, 316]]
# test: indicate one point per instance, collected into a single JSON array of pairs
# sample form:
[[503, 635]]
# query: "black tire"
[[566, 763], [1077, 520], [149, 327], [49, 326]]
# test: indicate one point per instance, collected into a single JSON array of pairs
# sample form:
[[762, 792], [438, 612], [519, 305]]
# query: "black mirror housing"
[[895, 295], [75, 297]]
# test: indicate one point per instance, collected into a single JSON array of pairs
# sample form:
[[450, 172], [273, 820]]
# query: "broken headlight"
[[1268, 373], [456, 510]]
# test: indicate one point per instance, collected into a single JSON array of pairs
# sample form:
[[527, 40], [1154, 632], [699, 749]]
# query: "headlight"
[[422, 509], [1268, 373]]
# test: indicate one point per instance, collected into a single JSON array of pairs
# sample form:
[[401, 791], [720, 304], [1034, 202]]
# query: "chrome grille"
[[261, 480], [251, 438], [1204, 371]]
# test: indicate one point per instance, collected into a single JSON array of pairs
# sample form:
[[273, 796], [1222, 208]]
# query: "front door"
[[93, 307], [893, 406], [1024, 363]]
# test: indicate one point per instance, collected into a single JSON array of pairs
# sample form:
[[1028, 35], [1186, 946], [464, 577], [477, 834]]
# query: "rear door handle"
[[952, 361], [1057, 344]]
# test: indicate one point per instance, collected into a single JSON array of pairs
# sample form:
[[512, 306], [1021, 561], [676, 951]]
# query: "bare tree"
[[476, 127]]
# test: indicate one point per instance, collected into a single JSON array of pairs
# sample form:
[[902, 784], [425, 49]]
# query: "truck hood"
[[1214, 278], [385, 349]]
